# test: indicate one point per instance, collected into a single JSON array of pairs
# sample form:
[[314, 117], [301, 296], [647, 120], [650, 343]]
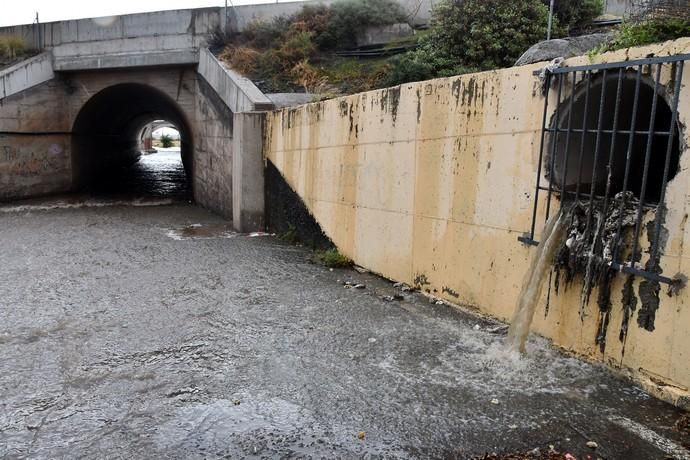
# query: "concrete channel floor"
[[154, 332]]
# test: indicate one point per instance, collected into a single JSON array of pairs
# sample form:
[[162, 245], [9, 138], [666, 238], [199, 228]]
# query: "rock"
[[360, 286], [562, 47], [391, 298], [494, 401], [592, 444], [359, 269], [439, 302], [361, 435], [477, 327], [498, 330]]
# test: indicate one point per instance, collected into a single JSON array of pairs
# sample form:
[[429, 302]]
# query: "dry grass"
[[11, 47], [241, 58]]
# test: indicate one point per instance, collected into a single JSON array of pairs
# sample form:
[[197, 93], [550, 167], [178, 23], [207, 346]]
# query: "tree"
[[576, 13], [166, 141]]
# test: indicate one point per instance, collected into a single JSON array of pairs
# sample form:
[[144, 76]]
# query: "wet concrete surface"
[[123, 335]]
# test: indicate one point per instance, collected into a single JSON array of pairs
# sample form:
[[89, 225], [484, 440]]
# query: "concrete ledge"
[[127, 60], [236, 91], [26, 74]]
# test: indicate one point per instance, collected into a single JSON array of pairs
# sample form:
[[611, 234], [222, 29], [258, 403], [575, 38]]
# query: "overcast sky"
[[24, 11]]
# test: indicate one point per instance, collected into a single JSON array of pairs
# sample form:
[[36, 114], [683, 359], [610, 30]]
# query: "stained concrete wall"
[[36, 132], [35, 142], [431, 183], [618, 7], [26, 74]]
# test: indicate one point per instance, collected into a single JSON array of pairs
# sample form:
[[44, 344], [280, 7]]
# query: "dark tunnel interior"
[[106, 146], [576, 157]]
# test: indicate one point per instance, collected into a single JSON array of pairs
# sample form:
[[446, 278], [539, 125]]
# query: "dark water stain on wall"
[[286, 212], [649, 289]]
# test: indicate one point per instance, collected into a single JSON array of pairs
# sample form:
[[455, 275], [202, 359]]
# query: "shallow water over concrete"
[[155, 175], [120, 341]]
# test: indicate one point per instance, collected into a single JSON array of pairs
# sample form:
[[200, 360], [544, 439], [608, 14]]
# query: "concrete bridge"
[[78, 109]]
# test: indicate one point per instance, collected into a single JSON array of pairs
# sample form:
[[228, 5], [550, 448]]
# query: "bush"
[[166, 141], [350, 17], [487, 34], [424, 63], [332, 258], [472, 35], [576, 13], [648, 32], [12, 47]]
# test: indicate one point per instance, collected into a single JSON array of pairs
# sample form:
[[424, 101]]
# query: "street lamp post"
[[548, 32]]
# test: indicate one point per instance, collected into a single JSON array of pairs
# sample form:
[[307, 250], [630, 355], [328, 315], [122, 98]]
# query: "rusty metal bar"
[[628, 157], [609, 165], [554, 146], [597, 144], [583, 137], [541, 159], [567, 140], [647, 158], [669, 149]]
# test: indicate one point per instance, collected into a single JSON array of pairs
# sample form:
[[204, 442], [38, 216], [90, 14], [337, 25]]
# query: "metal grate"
[[612, 145]]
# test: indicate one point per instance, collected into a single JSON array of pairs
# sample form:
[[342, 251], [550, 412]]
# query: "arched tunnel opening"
[[574, 157], [109, 152]]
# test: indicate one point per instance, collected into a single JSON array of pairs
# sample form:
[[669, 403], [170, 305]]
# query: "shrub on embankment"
[[646, 32], [297, 52], [11, 48]]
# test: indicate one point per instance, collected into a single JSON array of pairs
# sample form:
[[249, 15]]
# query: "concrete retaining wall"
[[431, 183], [26, 74], [236, 91]]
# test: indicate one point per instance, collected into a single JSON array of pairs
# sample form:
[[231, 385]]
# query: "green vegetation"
[[296, 53], [473, 35], [653, 30], [167, 141], [332, 258], [573, 14], [11, 48], [290, 236]]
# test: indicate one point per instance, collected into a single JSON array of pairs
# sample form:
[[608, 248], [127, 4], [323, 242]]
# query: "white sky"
[[24, 11]]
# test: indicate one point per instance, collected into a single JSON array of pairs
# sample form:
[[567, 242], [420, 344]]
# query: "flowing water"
[[533, 284]]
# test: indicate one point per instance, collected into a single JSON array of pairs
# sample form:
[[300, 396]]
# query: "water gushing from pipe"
[[533, 284]]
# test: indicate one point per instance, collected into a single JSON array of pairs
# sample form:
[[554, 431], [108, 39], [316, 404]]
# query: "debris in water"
[[359, 269], [361, 435], [477, 327], [592, 444], [202, 232], [494, 401], [391, 298], [500, 330]]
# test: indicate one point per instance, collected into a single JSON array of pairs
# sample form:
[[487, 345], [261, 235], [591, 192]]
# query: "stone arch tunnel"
[[95, 82], [106, 131]]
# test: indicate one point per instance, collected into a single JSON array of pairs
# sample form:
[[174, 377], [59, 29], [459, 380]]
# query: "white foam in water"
[[83, 204]]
